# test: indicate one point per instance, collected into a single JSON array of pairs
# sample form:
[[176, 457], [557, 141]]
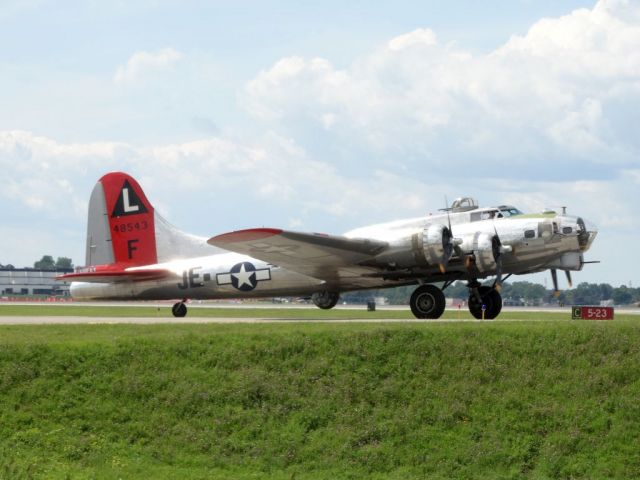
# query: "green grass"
[[525, 399]]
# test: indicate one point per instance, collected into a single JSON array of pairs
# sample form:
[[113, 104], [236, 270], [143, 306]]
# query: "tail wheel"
[[179, 309], [325, 300], [427, 301], [490, 298]]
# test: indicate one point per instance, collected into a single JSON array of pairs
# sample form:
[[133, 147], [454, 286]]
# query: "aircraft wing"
[[116, 274], [327, 257]]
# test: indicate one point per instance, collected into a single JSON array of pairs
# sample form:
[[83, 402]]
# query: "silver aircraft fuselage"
[[529, 243]]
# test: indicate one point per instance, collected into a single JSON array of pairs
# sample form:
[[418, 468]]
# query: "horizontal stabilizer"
[[116, 273]]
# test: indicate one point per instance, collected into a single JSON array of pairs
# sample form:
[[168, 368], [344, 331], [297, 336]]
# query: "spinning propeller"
[[447, 240], [498, 250], [554, 278], [496, 247]]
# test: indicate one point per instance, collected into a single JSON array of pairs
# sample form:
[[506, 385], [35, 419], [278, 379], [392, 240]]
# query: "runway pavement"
[[72, 319], [61, 320]]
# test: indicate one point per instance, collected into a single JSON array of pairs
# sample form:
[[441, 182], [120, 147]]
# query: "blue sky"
[[319, 116]]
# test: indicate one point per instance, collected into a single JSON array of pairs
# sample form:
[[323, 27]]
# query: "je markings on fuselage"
[[243, 276]]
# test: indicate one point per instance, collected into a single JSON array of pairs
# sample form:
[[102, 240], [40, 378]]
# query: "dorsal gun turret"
[[464, 204]]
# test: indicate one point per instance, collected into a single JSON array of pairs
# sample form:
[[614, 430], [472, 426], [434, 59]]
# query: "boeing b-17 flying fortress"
[[133, 253]]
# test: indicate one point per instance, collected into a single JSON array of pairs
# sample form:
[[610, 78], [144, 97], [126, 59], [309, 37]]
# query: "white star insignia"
[[243, 277]]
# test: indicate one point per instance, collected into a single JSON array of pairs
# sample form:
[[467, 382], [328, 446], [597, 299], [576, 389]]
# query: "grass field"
[[521, 399]]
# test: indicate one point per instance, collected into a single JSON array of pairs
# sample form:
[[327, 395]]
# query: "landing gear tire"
[[490, 298], [427, 301], [325, 300], [179, 309]]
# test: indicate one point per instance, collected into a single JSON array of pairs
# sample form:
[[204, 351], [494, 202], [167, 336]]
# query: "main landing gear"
[[179, 309], [487, 296], [428, 302], [325, 300]]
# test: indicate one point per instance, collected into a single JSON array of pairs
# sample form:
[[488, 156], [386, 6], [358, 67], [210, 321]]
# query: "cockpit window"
[[495, 212], [484, 215], [509, 211]]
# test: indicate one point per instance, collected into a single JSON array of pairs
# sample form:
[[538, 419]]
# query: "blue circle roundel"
[[243, 276]]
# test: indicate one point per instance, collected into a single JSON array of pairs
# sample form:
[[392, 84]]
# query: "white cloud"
[[550, 100], [43, 176], [143, 63], [633, 174], [421, 36], [578, 132]]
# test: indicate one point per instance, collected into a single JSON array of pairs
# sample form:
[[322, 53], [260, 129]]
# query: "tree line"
[[46, 263]]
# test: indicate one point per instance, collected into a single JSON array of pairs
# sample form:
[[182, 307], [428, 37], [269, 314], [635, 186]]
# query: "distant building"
[[381, 301], [29, 281]]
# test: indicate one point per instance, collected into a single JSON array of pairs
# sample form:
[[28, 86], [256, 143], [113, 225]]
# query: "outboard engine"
[[437, 244]]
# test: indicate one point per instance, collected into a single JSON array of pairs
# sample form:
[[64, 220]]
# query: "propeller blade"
[[449, 247], [447, 240], [497, 255], [468, 261], [452, 238], [498, 282], [554, 278], [568, 273]]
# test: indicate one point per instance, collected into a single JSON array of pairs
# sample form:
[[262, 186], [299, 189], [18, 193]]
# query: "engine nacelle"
[[431, 247], [437, 244], [485, 248]]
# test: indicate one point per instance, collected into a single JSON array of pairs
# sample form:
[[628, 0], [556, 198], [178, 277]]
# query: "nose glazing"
[[587, 232]]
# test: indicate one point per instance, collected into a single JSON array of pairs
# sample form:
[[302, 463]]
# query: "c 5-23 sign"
[[592, 313]]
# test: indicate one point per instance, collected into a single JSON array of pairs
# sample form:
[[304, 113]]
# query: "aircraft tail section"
[[121, 224], [123, 228]]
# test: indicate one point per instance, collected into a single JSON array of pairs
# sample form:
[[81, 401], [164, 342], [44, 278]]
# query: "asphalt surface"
[[70, 320], [62, 320]]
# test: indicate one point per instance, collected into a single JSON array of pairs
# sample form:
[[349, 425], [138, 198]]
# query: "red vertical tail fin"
[[121, 226]]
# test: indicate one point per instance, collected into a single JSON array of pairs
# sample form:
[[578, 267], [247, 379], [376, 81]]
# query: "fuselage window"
[[567, 230], [544, 230], [529, 234]]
